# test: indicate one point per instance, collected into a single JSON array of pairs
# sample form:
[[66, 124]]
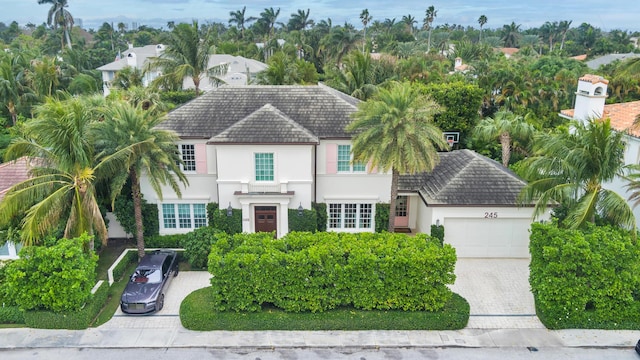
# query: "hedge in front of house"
[[305, 221], [219, 220], [197, 245], [72, 320], [11, 315], [173, 241], [119, 269], [382, 217], [585, 278], [326, 270]]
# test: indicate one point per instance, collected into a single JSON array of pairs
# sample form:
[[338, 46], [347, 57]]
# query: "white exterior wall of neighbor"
[[292, 186], [9, 251]]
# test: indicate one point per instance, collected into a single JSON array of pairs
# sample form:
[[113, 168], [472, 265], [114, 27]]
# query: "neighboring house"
[[12, 173], [508, 52], [239, 71], [590, 104], [608, 59], [270, 149], [458, 66]]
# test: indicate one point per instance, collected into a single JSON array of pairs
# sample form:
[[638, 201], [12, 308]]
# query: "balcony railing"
[[264, 188]]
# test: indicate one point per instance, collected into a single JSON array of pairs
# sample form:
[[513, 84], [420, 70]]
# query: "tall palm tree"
[[44, 76], [13, 89], [343, 39], [410, 22], [357, 78], [299, 21], [482, 20], [187, 54], [268, 18], [395, 131], [570, 168], [563, 27], [239, 18], [430, 15], [61, 139], [504, 126], [365, 18], [550, 31], [153, 154], [59, 16]]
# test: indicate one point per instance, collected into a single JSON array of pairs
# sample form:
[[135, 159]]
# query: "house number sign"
[[490, 215]]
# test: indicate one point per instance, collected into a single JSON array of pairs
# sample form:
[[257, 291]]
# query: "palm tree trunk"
[[196, 83], [505, 141], [12, 112], [395, 175], [137, 211]]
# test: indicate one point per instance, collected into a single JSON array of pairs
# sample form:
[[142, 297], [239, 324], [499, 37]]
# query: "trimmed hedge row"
[[165, 241], [321, 271], [11, 315], [585, 278], [119, 270], [73, 320]]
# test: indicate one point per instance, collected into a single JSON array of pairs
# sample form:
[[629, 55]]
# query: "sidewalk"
[[179, 337]]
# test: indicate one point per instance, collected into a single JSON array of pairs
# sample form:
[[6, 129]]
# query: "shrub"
[[437, 231], [219, 220], [316, 272], [120, 269], [57, 278], [11, 315], [321, 215], [123, 209], [173, 241], [585, 278], [307, 221], [382, 217], [177, 97], [197, 245]]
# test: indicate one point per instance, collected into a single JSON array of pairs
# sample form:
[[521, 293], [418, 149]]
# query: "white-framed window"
[[350, 215], [344, 160], [264, 166], [188, 155], [184, 216]]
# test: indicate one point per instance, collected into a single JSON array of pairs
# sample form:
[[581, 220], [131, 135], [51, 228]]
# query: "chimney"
[[590, 97], [131, 60], [458, 62], [130, 45], [159, 49]]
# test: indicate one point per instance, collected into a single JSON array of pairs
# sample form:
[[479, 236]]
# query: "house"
[[608, 59], [270, 149], [12, 173], [239, 70], [590, 103]]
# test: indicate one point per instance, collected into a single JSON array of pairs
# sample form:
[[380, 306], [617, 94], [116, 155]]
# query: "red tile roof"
[[12, 173], [594, 79], [582, 57], [622, 116]]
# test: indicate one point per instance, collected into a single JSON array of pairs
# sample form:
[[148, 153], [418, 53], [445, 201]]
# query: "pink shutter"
[[201, 158], [332, 158], [372, 169]]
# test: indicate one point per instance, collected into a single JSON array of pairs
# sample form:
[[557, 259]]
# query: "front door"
[[266, 219], [402, 212]]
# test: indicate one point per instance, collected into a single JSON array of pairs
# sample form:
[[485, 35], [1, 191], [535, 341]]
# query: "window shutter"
[[332, 158], [201, 158], [372, 169]]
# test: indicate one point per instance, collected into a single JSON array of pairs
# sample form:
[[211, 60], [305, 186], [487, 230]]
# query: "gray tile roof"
[[465, 178], [265, 123], [321, 111], [608, 59]]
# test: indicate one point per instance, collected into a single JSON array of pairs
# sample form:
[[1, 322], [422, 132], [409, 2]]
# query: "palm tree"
[[299, 21], [550, 31], [44, 76], [395, 131], [357, 78], [563, 27], [482, 20], [409, 22], [430, 16], [365, 18], [511, 35], [61, 139], [59, 16], [12, 88], [186, 54], [238, 17], [269, 18], [505, 126], [153, 154], [570, 168]]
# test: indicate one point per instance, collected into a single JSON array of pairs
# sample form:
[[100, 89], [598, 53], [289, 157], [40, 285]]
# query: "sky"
[[605, 14]]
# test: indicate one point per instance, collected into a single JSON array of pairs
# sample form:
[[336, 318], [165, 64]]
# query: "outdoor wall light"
[[300, 209], [229, 210], [437, 222]]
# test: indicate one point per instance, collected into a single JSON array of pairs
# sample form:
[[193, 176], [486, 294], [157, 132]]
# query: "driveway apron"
[[169, 317], [498, 293]]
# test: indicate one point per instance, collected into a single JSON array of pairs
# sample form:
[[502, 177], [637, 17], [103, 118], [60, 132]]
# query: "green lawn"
[[195, 314]]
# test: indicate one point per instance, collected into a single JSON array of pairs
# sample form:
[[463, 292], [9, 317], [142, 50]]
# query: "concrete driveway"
[[498, 293], [169, 317]]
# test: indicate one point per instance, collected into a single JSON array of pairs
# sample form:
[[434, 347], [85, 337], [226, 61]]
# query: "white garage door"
[[488, 237]]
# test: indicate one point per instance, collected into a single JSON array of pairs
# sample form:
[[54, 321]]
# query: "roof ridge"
[[498, 166], [338, 94]]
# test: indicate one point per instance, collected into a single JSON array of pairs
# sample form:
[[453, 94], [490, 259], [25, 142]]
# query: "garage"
[[502, 238]]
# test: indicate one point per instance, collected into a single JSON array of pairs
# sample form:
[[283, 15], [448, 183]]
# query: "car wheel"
[[175, 272], [160, 302]]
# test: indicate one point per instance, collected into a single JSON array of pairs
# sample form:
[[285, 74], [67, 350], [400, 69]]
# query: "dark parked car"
[[638, 347], [145, 291]]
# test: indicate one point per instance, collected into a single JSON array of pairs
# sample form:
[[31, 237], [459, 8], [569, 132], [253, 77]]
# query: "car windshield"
[[147, 276]]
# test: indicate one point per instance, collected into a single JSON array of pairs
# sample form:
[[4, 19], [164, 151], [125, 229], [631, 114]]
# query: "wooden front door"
[[266, 219]]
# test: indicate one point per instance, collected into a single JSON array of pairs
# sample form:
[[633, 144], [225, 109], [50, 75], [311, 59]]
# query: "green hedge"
[[317, 272], [197, 245], [73, 320], [219, 220], [437, 231], [174, 241], [307, 221], [123, 209], [585, 278], [321, 215], [11, 315], [119, 270], [382, 217]]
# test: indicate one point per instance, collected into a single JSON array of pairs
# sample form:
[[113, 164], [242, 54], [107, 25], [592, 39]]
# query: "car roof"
[[153, 260]]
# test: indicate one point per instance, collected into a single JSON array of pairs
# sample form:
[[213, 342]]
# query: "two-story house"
[[590, 104], [268, 149]]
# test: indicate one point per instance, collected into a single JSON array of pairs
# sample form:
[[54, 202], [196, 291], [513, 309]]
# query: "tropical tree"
[[410, 22], [505, 126], [67, 167], [343, 39], [365, 18], [482, 20], [299, 21], [59, 16], [430, 16], [357, 77], [239, 18], [186, 54], [395, 131], [153, 153], [570, 167], [268, 19], [563, 27], [511, 34], [13, 89]]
